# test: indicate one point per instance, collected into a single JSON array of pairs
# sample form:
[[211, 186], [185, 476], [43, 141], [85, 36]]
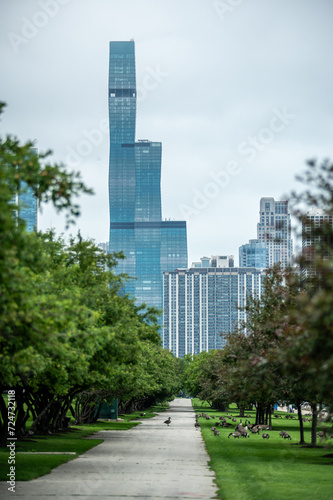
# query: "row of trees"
[[287, 355], [67, 334]]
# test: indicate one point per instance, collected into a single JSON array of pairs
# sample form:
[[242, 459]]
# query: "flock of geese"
[[241, 430]]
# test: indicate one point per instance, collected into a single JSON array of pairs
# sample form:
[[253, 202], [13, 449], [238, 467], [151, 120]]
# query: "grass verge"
[[259, 469]]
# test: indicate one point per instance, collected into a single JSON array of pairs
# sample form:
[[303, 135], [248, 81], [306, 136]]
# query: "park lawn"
[[259, 469]]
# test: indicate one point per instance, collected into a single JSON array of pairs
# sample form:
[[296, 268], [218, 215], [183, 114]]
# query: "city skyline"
[[240, 99], [273, 245]]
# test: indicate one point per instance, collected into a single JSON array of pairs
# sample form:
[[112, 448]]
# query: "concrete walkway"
[[150, 461]]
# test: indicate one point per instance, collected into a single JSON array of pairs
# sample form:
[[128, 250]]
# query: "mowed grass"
[[266, 469], [31, 466]]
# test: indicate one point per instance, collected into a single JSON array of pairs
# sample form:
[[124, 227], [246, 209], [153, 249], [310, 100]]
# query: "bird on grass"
[[168, 422]]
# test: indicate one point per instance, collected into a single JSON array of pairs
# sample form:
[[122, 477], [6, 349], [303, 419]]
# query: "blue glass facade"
[[27, 207], [26, 203], [150, 245], [253, 254]]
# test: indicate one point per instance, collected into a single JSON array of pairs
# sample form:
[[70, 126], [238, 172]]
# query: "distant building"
[[149, 244], [215, 261], [26, 204], [201, 305], [314, 239], [253, 254], [204, 262], [274, 229], [104, 246]]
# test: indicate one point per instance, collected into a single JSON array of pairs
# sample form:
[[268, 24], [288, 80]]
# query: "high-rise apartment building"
[[315, 240], [150, 245], [253, 254], [202, 305], [311, 225], [274, 229]]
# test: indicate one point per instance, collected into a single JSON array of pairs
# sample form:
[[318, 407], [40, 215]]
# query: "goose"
[[235, 434]]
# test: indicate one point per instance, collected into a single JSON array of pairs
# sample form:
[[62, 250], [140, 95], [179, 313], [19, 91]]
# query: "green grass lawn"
[[29, 467], [267, 469]]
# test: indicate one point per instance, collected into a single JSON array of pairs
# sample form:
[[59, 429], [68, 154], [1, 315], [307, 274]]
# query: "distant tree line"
[[287, 355], [69, 340]]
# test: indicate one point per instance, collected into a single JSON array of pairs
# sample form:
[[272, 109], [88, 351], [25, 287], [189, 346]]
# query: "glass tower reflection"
[[151, 246]]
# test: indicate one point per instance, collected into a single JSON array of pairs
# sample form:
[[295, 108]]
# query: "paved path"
[[150, 461]]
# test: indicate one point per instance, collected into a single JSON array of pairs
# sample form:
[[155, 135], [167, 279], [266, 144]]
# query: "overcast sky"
[[239, 92]]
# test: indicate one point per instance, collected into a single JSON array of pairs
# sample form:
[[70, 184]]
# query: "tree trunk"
[[300, 419], [269, 416], [4, 421], [55, 425], [41, 415], [241, 410], [85, 407], [67, 406], [257, 413], [314, 424], [260, 414]]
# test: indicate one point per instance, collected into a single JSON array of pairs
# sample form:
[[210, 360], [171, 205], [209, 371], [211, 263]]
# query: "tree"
[[194, 372], [310, 345]]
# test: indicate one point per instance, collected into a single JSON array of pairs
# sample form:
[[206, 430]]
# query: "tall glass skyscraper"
[[151, 246]]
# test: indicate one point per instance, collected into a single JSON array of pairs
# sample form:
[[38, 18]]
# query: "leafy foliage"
[[64, 327]]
